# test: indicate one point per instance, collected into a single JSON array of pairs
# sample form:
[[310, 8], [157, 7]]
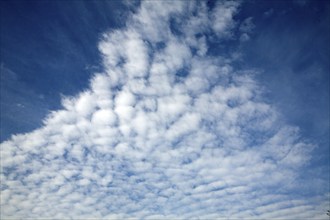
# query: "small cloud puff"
[[246, 28]]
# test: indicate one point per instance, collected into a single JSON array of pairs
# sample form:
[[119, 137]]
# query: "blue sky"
[[160, 109]]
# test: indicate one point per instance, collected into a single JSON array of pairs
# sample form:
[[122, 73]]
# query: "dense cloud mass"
[[167, 130]]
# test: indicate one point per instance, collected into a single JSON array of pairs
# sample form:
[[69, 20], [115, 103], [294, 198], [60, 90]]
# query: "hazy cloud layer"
[[167, 130]]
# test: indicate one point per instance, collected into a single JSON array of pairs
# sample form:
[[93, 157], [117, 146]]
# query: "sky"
[[165, 109]]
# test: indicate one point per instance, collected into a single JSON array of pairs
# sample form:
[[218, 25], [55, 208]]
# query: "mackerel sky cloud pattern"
[[167, 130]]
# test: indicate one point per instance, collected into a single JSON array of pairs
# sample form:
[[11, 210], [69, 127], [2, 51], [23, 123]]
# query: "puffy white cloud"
[[104, 117], [153, 19], [136, 63], [222, 17], [125, 98], [145, 142], [85, 104]]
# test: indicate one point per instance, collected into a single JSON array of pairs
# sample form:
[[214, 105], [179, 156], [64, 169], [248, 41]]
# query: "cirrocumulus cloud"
[[168, 130]]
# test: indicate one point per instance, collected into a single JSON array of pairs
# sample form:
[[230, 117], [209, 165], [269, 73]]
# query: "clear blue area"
[[48, 49], [290, 45]]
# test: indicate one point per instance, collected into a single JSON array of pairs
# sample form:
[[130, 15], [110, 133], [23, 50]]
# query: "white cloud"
[[125, 98], [246, 28], [144, 142], [244, 37], [222, 17], [85, 104], [104, 117], [247, 25], [136, 63]]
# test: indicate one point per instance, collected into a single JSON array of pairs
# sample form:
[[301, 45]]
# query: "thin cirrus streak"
[[166, 131]]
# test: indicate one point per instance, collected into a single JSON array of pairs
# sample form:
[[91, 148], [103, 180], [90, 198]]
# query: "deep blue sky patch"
[[48, 49]]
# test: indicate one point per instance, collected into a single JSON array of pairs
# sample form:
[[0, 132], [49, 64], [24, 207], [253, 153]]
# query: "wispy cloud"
[[166, 131]]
